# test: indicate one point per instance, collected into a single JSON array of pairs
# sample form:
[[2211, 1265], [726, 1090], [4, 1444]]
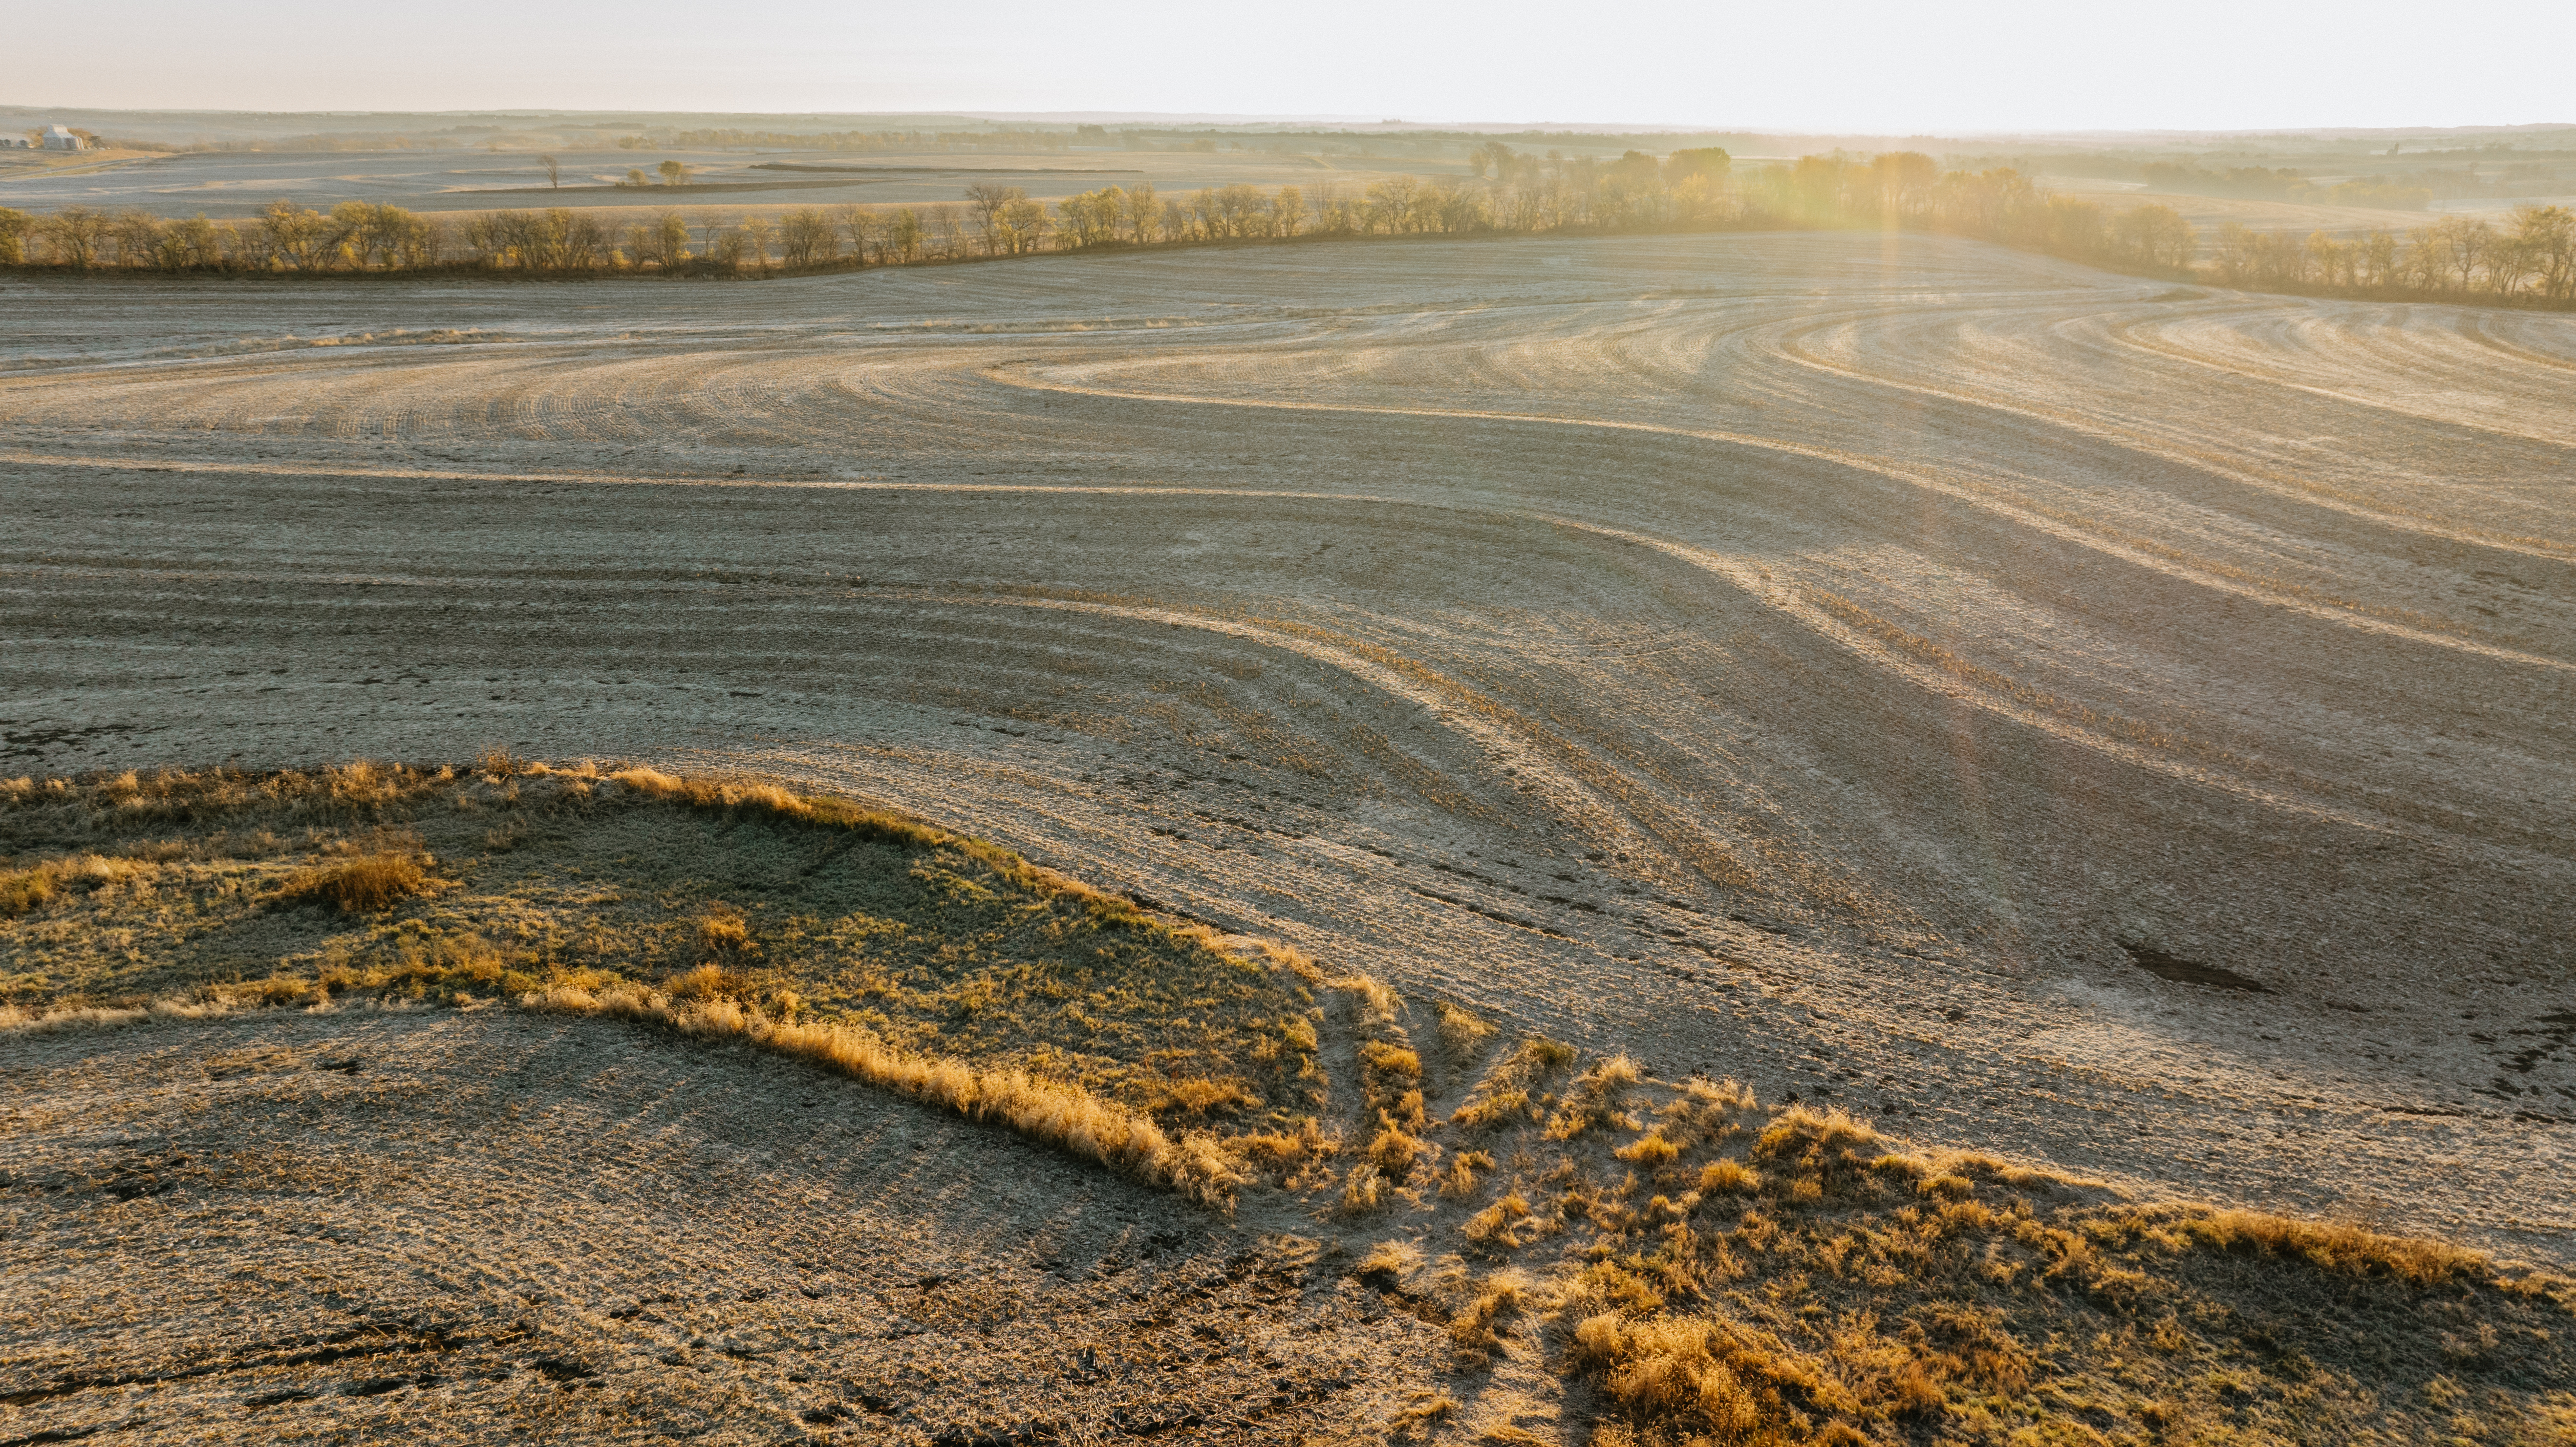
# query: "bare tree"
[[75, 232], [302, 239], [805, 237], [988, 202], [554, 171], [855, 223], [138, 238], [1144, 213], [903, 235]]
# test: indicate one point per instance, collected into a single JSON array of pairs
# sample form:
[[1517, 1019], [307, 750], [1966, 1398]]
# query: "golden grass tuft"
[[1499, 1224], [24, 891], [768, 800], [1500, 1299], [724, 934], [1362, 1190], [710, 982], [2338, 1247], [1285, 1154], [1504, 1096], [1393, 1150], [364, 885], [1729, 1178], [1650, 1150], [1392, 1063], [1598, 1099], [1674, 1371], [1463, 1034], [1191, 1096], [1420, 1415], [1800, 1128], [18, 1020]]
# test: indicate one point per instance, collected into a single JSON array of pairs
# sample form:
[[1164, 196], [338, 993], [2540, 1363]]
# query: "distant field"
[[2208, 213], [236, 184]]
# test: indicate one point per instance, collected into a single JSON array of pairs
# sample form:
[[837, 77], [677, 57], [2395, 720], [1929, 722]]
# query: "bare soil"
[[438, 1226], [1414, 1226], [1831, 661]]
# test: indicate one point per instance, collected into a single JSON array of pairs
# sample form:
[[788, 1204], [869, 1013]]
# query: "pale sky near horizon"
[[1864, 66]]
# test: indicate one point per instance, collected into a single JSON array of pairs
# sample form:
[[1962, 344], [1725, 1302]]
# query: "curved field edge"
[[1698, 1264]]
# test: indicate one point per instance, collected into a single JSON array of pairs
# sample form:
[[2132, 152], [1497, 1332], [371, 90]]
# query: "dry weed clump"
[[768, 801], [1597, 1100], [1503, 1097], [1463, 1034], [25, 890], [2337, 1247], [367, 884]]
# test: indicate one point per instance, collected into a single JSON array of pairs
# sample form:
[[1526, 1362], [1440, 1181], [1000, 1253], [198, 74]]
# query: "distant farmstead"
[[58, 139]]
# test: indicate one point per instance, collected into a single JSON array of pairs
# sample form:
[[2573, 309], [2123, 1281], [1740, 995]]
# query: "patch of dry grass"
[[1792, 1276], [1505, 1096], [1052, 1112], [701, 888], [22, 890]]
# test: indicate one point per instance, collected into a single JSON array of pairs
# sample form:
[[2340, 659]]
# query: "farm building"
[[58, 139]]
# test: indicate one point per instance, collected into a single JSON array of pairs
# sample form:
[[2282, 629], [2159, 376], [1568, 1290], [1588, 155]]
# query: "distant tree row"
[[2531, 258], [2532, 254]]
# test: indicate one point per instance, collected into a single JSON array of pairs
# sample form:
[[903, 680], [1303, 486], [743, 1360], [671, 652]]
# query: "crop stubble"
[[1829, 661]]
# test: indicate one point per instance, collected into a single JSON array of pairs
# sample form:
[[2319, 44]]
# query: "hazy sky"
[[1863, 65]]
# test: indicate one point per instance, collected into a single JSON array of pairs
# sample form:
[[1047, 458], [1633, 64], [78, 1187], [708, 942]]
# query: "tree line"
[[2531, 258]]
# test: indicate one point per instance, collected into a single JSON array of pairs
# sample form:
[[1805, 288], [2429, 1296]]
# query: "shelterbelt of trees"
[[2529, 260]]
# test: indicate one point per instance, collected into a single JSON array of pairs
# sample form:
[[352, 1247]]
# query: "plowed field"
[[2126, 727]]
